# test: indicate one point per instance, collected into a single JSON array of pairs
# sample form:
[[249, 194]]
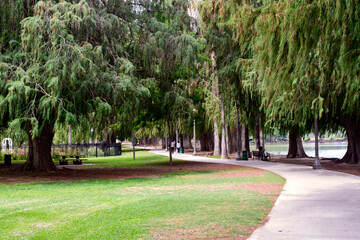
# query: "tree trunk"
[[247, 143], [238, 136], [224, 153], [257, 133], [206, 141], [216, 139], [177, 136], [171, 139], [187, 142], [166, 141], [133, 143], [242, 130], [228, 139], [353, 136], [245, 138], [182, 140], [261, 134], [296, 149], [216, 95], [39, 158]]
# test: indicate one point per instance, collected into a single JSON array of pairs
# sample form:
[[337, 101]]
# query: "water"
[[326, 150]]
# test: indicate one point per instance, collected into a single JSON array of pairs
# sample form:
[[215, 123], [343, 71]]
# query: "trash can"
[[7, 159], [181, 150], [244, 155]]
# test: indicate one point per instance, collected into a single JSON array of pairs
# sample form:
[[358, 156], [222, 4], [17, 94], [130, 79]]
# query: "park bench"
[[261, 155], [256, 155], [76, 158]]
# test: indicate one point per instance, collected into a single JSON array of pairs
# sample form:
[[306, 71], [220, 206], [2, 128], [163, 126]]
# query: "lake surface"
[[327, 150]]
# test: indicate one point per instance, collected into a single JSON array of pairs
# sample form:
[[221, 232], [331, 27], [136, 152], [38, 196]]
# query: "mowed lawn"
[[179, 205]]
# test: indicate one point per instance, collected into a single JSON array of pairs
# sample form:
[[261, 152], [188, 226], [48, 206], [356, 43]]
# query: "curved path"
[[315, 204]]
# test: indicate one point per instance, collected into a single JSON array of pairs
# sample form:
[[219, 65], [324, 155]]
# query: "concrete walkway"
[[315, 204]]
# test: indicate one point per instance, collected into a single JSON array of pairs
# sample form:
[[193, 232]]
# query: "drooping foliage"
[[305, 60], [71, 62]]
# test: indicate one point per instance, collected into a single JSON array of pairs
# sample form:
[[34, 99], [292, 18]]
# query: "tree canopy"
[[154, 65]]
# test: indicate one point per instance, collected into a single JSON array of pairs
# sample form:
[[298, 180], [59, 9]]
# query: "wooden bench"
[[260, 155], [63, 159], [75, 161], [256, 155]]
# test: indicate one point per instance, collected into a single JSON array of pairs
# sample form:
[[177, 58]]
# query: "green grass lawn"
[[143, 158], [203, 204]]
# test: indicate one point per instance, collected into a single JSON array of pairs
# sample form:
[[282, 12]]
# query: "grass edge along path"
[[178, 205]]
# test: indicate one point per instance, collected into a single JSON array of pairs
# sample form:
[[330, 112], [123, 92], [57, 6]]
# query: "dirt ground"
[[72, 173]]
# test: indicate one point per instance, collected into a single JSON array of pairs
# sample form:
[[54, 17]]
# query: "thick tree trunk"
[[39, 158], [207, 141], [353, 136], [216, 139], [224, 153], [231, 140], [296, 149], [245, 138], [187, 142]]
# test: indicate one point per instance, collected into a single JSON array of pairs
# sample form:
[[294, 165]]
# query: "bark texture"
[[207, 141], [262, 136], [232, 140], [39, 158], [296, 149], [224, 153], [353, 136], [187, 142], [238, 135], [170, 140], [245, 138], [257, 133], [216, 140], [217, 150]]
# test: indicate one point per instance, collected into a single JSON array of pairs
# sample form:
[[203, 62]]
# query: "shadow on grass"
[[136, 149]]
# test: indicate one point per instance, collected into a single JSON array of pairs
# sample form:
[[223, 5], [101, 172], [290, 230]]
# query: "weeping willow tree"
[[305, 62], [232, 54], [62, 61], [169, 54], [307, 57]]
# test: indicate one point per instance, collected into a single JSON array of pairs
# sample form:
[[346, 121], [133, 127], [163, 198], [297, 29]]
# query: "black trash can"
[[7, 159], [244, 155]]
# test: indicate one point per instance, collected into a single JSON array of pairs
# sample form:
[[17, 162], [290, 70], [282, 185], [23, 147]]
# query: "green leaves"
[[64, 73]]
